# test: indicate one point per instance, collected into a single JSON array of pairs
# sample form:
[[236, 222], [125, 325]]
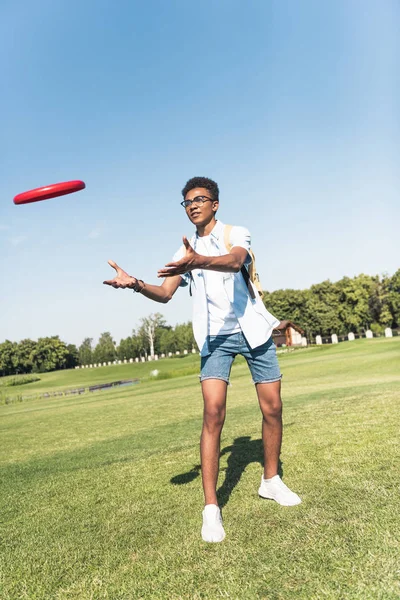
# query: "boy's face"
[[200, 213]]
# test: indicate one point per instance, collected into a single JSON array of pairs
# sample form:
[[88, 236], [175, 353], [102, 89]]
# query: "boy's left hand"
[[190, 261]]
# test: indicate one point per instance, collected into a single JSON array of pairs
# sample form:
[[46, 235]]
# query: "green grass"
[[101, 496], [74, 378]]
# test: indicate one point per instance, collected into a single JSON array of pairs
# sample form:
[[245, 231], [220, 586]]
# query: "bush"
[[377, 328], [18, 380]]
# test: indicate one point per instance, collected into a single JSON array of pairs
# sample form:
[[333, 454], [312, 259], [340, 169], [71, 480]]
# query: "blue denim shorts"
[[262, 361]]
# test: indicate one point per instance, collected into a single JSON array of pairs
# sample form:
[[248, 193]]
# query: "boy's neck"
[[206, 228]]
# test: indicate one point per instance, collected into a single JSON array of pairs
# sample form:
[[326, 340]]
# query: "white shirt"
[[254, 320]]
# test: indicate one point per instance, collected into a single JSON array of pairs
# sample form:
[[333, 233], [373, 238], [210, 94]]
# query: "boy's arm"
[[159, 293], [228, 263], [164, 292]]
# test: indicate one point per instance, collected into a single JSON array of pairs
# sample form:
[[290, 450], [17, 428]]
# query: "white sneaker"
[[212, 530], [275, 489]]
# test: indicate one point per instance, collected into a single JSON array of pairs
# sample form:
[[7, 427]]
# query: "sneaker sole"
[[275, 500], [213, 541]]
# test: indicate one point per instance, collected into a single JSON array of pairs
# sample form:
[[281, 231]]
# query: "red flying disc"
[[49, 191]]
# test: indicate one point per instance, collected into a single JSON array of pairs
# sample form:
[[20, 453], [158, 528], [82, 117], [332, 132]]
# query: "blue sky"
[[293, 107]]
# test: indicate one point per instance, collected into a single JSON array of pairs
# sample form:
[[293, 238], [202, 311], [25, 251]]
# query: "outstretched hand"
[[190, 261], [122, 279]]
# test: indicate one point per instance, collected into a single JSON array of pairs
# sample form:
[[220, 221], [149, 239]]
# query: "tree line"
[[153, 336], [29, 356], [351, 304]]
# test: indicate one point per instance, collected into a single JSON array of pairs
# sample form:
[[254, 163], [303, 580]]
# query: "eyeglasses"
[[198, 201]]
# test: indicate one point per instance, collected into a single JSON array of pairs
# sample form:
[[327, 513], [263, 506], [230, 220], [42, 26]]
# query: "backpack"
[[249, 274]]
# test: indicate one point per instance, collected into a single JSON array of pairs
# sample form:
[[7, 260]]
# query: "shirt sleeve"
[[240, 236], [177, 256]]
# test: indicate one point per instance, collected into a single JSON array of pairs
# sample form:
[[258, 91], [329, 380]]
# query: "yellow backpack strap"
[[254, 275], [227, 235]]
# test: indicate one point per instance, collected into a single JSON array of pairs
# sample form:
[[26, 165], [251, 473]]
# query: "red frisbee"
[[49, 191]]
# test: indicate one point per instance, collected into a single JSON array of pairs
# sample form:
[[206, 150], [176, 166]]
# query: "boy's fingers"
[[114, 265]]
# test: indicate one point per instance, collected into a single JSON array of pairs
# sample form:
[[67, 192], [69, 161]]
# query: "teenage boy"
[[229, 318]]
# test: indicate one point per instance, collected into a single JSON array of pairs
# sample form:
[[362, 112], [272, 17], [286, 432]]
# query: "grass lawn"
[[76, 378], [101, 497]]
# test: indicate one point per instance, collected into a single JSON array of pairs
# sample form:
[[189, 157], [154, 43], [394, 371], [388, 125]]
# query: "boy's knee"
[[214, 417], [272, 406]]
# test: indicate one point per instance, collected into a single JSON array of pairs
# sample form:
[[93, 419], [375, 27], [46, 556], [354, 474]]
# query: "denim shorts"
[[262, 361]]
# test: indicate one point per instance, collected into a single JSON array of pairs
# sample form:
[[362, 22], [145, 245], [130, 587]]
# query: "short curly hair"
[[202, 182]]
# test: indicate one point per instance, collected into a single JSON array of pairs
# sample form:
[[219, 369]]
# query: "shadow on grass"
[[242, 452]]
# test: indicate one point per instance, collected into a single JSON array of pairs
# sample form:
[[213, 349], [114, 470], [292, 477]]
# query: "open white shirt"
[[211, 313], [221, 316]]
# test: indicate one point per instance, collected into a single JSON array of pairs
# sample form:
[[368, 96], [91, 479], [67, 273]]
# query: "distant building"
[[288, 334]]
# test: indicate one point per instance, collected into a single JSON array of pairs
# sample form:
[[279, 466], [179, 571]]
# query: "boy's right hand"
[[122, 279]]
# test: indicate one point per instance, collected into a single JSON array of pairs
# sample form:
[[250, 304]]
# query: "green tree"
[[354, 302], [351, 304], [49, 354], [105, 349], [378, 304], [322, 308], [139, 343], [8, 358], [148, 329], [393, 298], [184, 337], [123, 348], [86, 352], [127, 348], [287, 304], [25, 351], [167, 341], [72, 359]]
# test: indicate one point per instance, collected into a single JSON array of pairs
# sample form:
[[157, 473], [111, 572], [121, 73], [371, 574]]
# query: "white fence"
[[368, 334], [137, 359]]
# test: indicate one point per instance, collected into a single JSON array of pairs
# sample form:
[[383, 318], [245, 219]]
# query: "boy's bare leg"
[[272, 487], [214, 396], [269, 398]]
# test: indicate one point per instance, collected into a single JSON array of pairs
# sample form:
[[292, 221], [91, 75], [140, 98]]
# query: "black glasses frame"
[[198, 200]]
